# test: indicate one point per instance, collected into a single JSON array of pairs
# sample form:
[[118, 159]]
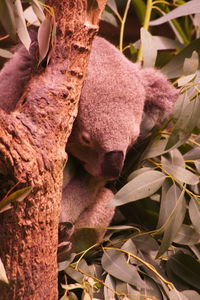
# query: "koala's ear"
[[160, 93]]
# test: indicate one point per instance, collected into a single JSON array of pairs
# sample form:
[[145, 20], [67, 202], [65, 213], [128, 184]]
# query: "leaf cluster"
[[155, 253]]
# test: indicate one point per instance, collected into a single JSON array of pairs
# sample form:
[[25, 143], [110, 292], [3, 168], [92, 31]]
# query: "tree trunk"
[[32, 150]]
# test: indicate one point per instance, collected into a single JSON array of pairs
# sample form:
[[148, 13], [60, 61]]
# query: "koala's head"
[[115, 96]]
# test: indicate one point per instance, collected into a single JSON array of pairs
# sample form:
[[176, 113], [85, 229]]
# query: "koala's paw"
[[65, 233]]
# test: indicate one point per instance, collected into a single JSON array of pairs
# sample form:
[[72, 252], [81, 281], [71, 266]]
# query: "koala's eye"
[[85, 138]]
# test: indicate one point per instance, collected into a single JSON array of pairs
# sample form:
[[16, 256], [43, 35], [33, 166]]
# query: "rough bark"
[[32, 150]]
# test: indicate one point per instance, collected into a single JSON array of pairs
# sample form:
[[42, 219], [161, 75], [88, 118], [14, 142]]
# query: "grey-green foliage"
[[159, 261]]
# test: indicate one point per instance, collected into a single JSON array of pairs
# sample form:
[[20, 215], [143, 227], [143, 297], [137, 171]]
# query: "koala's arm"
[[99, 214], [15, 74], [78, 194], [84, 203]]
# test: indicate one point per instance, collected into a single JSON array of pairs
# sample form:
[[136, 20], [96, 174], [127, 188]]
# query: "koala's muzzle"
[[112, 164]]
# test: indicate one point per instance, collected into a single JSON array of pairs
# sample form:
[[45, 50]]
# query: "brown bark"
[[32, 149]]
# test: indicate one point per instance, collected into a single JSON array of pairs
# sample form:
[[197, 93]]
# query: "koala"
[[119, 101], [17, 72]]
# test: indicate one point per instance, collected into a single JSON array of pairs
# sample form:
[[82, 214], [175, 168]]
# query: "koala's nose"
[[112, 164]]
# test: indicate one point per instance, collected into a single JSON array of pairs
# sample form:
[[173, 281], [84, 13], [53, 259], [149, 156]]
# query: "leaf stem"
[[123, 25], [146, 26], [149, 266]]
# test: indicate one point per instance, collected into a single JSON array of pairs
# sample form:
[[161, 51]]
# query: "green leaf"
[[44, 36], [193, 154], [186, 122], [31, 17], [177, 295], [179, 173], [5, 53], [194, 212], [191, 64], [3, 276], [167, 203], [109, 282], [112, 5], [19, 195], [142, 186], [138, 172], [186, 79], [7, 17], [164, 43], [156, 148], [174, 221], [187, 236], [140, 9], [149, 48], [21, 25], [192, 7], [37, 8], [191, 295], [175, 67], [115, 263], [109, 18], [185, 267]]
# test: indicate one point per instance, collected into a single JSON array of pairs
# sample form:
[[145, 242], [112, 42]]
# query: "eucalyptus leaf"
[[187, 236], [176, 158], [176, 295], [185, 124], [149, 48], [185, 267], [5, 53], [191, 295], [109, 282], [113, 6], [191, 64], [138, 172], [7, 17], [155, 148], [140, 9], [74, 274], [192, 7], [167, 203], [126, 289], [19, 195], [31, 17], [109, 18], [185, 79], [21, 25], [142, 186], [174, 68], [44, 36], [193, 154], [194, 213], [3, 276], [114, 263], [174, 221], [37, 8], [179, 173]]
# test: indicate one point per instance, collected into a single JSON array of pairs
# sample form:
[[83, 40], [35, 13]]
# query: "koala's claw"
[[65, 231]]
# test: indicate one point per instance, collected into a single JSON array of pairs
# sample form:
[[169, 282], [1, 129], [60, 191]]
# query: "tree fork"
[[32, 150]]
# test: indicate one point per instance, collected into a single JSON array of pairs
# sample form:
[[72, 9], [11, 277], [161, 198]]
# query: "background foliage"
[[152, 252]]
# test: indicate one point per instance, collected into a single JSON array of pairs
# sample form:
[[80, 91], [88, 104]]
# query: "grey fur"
[[16, 73], [118, 101], [115, 95]]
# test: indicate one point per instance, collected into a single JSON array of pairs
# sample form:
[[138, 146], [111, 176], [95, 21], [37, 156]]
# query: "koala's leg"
[[16, 73], [96, 215], [79, 194]]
